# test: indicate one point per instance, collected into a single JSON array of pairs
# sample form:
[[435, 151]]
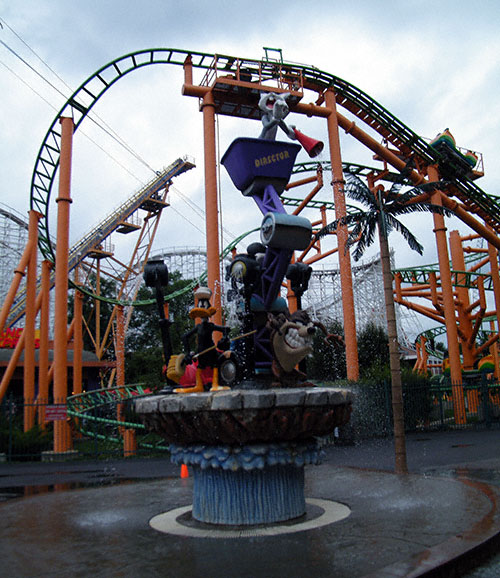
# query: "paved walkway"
[[441, 517]]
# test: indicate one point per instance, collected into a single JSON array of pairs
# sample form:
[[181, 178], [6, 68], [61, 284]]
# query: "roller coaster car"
[[454, 162]]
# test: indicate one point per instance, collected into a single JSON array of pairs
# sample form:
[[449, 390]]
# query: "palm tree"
[[382, 209]]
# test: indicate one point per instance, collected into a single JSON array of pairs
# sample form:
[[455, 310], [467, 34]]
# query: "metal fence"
[[109, 429], [106, 432], [427, 407]]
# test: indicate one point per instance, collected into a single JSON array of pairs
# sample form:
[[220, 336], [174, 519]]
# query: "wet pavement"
[[93, 517]]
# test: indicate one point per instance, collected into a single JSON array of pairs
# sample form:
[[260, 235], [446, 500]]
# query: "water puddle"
[[100, 481]]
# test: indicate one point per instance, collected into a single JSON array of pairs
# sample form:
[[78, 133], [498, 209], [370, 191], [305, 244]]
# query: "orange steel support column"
[[449, 306], [425, 355], [344, 257], [494, 353], [43, 352], [62, 441], [77, 340], [11, 367], [120, 347], [18, 275], [495, 276], [99, 346], [29, 327], [211, 206], [458, 264], [129, 437]]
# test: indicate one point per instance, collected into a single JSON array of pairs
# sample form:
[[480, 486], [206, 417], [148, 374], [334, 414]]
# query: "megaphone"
[[312, 146]]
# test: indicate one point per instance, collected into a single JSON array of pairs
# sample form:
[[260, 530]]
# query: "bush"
[[416, 398], [20, 444]]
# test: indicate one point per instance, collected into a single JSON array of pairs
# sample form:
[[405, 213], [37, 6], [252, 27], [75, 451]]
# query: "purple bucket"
[[253, 163]]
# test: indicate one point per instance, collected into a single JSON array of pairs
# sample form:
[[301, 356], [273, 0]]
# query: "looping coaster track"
[[414, 149]]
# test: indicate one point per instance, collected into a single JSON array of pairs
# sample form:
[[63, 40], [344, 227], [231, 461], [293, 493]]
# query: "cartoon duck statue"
[[208, 355]]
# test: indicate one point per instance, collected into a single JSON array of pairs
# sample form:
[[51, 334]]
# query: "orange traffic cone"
[[184, 471]]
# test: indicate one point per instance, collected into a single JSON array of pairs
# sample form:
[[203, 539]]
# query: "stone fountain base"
[[250, 484], [247, 448]]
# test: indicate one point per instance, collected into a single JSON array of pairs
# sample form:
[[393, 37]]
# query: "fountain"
[[248, 446]]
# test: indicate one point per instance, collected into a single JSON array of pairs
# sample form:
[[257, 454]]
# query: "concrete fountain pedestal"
[[247, 448]]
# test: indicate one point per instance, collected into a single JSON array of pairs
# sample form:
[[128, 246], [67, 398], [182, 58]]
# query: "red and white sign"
[[56, 412]]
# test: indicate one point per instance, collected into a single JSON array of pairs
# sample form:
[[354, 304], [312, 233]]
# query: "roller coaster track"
[[123, 212], [95, 415], [433, 332], [348, 96], [350, 169], [347, 168], [108, 225], [467, 279]]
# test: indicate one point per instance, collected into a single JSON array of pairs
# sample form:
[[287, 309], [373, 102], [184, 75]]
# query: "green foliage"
[[380, 212], [20, 443], [373, 352], [372, 409], [327, 363], [416, 398], [144, 366], [144, 331]]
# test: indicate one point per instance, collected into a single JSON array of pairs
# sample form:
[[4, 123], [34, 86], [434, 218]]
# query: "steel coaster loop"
[[353, 99]]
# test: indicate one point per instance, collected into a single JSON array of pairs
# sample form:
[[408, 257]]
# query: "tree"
[[382, 209], [327, 362], [373, 348]]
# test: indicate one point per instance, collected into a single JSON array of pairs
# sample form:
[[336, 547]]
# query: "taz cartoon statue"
[[291, 341]]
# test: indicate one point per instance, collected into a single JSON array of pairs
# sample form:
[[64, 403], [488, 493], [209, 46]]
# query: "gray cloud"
[[433, 64]]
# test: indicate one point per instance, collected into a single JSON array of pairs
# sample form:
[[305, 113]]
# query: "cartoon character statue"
[[275, 109], [208, 355], [291, 342]]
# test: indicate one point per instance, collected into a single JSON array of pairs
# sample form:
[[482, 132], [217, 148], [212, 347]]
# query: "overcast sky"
[[432, 63]]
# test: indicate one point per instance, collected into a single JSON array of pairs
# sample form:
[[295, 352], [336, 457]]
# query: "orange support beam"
[[43, 352], [448, 305], [311, 195], [11, 367], [77, 339], [62, 435], [211, 204], [467, 218], [29, 327], [495, 277], [342, 234], [464, 320], [19, 273], [14, 358]]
